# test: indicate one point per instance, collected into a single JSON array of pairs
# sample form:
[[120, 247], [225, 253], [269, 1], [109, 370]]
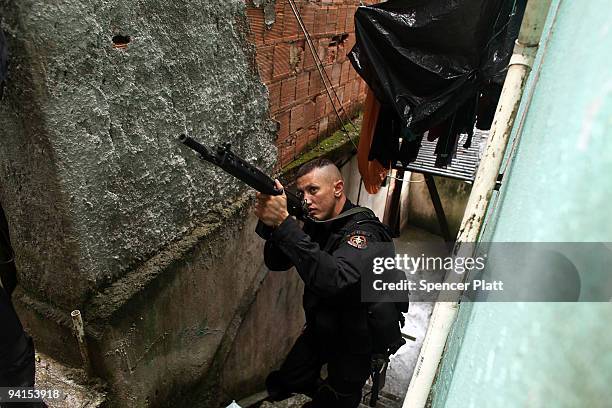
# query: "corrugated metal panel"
[[463, 166]]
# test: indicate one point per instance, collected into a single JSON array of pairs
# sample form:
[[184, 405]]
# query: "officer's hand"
[[271, 210]]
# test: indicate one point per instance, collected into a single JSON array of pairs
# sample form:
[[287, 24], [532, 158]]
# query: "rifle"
[[223, 157]]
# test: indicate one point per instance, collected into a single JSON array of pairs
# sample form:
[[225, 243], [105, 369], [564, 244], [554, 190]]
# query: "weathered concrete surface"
[[111, 215], [453, 194], [92, 179], [162, 334], [76, 390], [267, 334]]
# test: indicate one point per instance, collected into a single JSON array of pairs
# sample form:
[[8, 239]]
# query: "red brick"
[[309, 61], [301, 87], [301, 141], [283, 131], [308, 16], [332, 20], [329, 108], [352, 73], [344, 75], [336, 71], [320, 102], [315, 85], [340, 93], [297, 118], [355, 90], [309, 113], [264, 57], [320, 21], [350, 20], [328, 73], [287, 92], [342, 12], [281, 60], [290, 26], [356, 84], [257, 25], [274, 90], [350, 42]]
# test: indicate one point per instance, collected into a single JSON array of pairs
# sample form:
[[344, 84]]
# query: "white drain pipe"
[[445, 313]]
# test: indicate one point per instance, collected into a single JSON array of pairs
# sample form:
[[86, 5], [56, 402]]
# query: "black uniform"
[[330, 258]]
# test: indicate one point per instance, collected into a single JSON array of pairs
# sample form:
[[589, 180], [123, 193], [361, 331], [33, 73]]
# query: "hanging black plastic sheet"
[[427, 59]]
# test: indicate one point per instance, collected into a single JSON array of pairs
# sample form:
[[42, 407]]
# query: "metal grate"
[[463, 165]]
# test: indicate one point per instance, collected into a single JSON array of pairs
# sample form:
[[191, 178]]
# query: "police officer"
[[330, 256]]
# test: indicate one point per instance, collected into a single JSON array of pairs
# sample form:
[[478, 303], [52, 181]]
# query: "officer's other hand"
[[271, 210]]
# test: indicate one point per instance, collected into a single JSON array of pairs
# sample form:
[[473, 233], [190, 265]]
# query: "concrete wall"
[[93, 180], [376, 202], [453, 195], [267, 333], [110, 215], [557, 190]]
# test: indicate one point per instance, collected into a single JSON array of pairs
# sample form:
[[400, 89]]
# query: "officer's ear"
[[338, 188]]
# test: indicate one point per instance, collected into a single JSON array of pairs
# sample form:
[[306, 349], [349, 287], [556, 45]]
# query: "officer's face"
[[320, 192]]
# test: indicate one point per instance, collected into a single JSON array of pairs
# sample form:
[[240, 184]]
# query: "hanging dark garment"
[[429, 60], [410, 148], [460, 122], [385, 144], [487, 104]]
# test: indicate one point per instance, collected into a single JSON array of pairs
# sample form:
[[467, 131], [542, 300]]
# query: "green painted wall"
[[557, 189]]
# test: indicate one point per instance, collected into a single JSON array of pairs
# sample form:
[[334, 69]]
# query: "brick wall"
[[298, 100]]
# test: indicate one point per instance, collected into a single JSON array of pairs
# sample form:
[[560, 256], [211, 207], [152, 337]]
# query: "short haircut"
[[312, 165]]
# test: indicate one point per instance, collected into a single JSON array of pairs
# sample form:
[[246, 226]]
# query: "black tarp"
[[427, 61]]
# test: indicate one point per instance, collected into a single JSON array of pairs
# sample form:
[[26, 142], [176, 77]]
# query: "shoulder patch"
[[358, 241]]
